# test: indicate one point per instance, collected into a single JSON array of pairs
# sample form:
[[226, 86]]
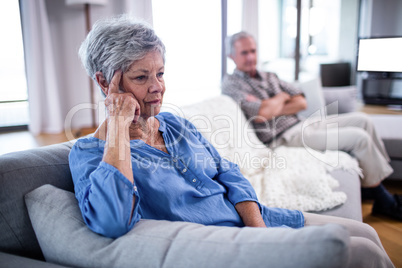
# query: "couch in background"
[[41, 225]]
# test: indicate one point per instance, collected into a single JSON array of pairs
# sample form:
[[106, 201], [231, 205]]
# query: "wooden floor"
[[390, 231], [23, 140]]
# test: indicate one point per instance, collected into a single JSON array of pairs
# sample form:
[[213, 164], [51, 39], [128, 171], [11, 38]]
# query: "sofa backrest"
[[20, 173]]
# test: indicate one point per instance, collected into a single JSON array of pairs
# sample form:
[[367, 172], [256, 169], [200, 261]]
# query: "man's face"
[[245, 55]]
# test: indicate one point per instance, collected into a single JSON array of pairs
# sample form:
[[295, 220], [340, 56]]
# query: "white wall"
[[380, 18], [386, 18]]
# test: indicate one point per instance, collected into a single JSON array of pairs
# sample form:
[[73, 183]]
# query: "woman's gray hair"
[[114, 44], [231, 40]]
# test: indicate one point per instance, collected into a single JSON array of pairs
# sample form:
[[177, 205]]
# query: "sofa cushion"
[[340, 100], [20, 173], [65, 239]]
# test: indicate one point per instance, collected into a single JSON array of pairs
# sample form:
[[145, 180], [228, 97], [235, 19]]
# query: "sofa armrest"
[[327, 100], [313, 93], [20, 173], [340, 100]]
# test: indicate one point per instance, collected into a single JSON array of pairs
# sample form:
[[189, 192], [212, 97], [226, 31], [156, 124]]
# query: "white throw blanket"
[[295, 179], [287, 177]]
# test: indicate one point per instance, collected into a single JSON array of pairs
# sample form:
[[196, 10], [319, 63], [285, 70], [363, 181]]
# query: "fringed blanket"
[[293, 178]]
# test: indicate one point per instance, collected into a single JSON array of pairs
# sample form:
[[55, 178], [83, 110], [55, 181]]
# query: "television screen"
[[380, 55]]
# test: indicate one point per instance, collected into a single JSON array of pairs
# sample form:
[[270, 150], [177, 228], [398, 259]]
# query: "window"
[[13, 90], [234, 21], [191, 32], [319, 35]]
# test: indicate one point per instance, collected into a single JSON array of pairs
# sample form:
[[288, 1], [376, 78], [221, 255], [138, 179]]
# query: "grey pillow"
[[340, 99], [65, 239]]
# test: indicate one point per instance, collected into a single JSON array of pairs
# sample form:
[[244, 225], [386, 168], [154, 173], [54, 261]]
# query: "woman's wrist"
[[250, 214], [117, 147], [117, 130]]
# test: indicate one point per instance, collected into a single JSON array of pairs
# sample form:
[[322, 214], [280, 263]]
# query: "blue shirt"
[[191, 183]]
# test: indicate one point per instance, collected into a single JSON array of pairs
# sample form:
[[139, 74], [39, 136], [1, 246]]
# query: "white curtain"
[[43, 95], [57, 84], [250, 17], [140, 9]]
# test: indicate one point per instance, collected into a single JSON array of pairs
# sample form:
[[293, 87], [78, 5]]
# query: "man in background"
[[272, 106]]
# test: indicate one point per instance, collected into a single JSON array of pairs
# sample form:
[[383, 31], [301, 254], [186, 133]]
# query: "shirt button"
[[174, 160], [184, 170], [194, 180]]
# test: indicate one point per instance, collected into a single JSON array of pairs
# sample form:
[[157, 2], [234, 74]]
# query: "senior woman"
[[143, 164]]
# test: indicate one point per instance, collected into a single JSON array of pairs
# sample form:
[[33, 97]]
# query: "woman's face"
[[144, 79]]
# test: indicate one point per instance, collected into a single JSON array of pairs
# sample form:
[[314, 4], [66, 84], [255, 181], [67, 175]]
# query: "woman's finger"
[[137, 112], [114, 84]]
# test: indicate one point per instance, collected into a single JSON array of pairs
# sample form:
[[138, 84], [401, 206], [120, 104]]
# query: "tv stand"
[[394, 107], [382, 89], [379, 109]]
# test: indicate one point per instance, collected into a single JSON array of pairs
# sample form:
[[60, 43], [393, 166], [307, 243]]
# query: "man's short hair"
[[231, 40]]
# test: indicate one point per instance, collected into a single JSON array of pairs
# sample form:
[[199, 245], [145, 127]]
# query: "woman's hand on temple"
[[121, 105], [123, 110]]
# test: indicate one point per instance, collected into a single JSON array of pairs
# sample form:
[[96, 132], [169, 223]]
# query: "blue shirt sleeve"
[[104, 194]]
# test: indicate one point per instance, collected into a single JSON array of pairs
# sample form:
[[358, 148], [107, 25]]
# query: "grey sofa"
[[389, 128], [394, 149], [41, 226]]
